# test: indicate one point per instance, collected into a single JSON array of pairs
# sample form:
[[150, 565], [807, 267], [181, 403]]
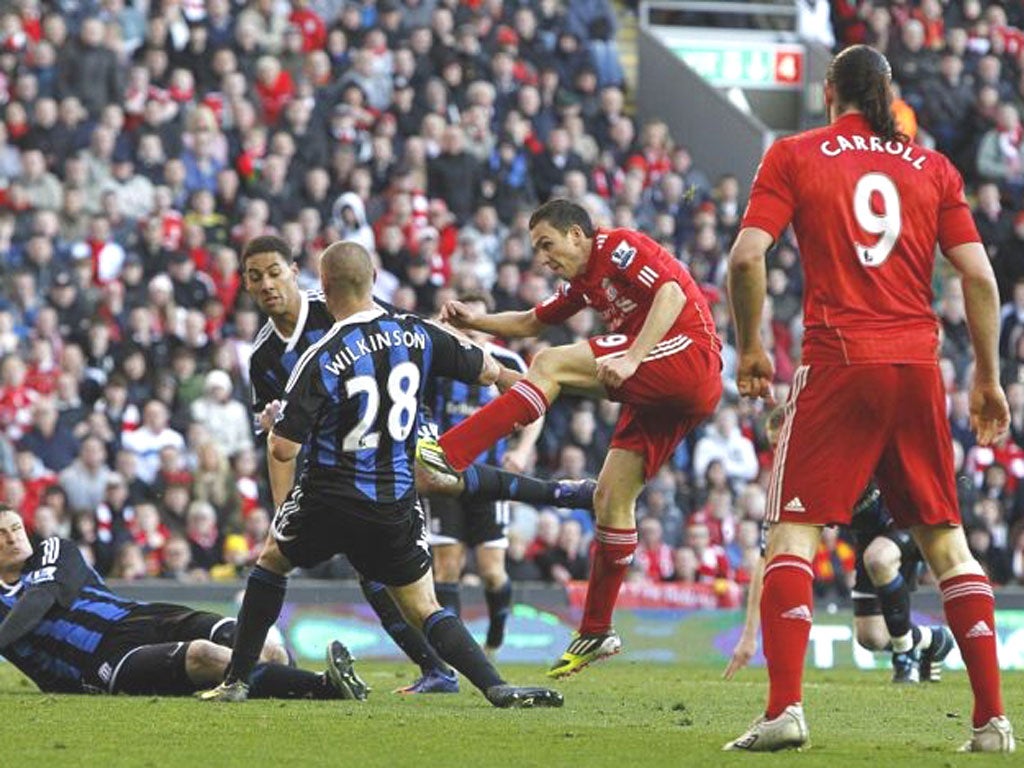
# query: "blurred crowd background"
[[143, 143]]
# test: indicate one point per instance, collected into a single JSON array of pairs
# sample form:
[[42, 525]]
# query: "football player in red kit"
[[660, 359], [868, 209]]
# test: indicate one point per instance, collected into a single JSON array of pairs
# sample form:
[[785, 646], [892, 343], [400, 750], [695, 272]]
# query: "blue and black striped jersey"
[[61, 651], [353, 400], [274, 357], [449, 402]]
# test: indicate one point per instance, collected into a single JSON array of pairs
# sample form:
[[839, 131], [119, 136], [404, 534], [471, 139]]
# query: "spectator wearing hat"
[[225, 419], [348, 215]]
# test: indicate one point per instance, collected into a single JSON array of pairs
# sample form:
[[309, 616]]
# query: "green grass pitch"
[[616, 714]]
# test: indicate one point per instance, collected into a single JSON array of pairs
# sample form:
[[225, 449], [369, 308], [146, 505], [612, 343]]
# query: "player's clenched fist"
[[268, 416], [613, 372], [754, 374], [459, 315]]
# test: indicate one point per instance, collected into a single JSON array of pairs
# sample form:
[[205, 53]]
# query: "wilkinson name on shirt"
[[374, 342]]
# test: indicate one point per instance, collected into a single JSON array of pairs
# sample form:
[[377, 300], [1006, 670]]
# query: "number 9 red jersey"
[[868, 215]]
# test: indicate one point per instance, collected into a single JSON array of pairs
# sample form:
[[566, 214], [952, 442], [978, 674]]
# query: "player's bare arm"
[[747, 290], [990, 414], [281, 456], [668, 303], [746, 646], [510, 325]]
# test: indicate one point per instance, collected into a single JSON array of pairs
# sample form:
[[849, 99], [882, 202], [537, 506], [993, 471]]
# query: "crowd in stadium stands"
[[140, 148]]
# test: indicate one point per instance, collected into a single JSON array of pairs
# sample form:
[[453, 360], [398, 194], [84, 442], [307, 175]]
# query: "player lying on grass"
[[68, 633], [297, 319], [886, 573]]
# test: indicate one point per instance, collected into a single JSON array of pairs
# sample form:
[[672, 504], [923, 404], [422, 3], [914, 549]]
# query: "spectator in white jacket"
[[226, 419], [724, 441]]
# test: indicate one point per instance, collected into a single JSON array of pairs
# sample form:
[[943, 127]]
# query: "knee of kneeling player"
[[882, 561], [206, 662]]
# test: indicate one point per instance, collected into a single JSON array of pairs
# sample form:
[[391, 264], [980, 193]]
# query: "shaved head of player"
[[346, 273]]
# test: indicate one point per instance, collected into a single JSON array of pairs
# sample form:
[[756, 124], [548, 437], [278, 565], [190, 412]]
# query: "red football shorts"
[[676, 387], [845, 424]]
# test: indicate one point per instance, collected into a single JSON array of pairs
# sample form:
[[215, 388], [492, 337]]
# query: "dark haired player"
[[868, 208], [298, 319], [67, 632], [352, 402], [660, 359]]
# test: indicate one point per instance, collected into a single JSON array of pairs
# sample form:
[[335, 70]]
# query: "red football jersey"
[[625, 270], [868, 215]]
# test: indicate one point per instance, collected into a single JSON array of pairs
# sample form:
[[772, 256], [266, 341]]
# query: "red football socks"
[[613, 552], [786, 616], [970, 612], [523, 403]]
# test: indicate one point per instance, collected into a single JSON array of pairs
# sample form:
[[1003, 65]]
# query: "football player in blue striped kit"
[[296, 320], [67, 632], [352, 403]]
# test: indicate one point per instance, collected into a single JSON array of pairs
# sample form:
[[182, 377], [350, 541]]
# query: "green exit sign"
[[754, 65]]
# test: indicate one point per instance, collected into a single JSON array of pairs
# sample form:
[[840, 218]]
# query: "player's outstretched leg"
[[482, 482], [436, 676], [486, 483], [456, 646]]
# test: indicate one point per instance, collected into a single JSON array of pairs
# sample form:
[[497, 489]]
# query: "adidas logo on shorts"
[[800, 613], [981, 629], [795, 505]]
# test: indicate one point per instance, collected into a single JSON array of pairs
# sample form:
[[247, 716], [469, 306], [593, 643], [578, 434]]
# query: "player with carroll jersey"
[[868, 209], [661, 360]]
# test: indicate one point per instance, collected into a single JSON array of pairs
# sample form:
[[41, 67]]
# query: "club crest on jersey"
[[623, 255], [609, 289]]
